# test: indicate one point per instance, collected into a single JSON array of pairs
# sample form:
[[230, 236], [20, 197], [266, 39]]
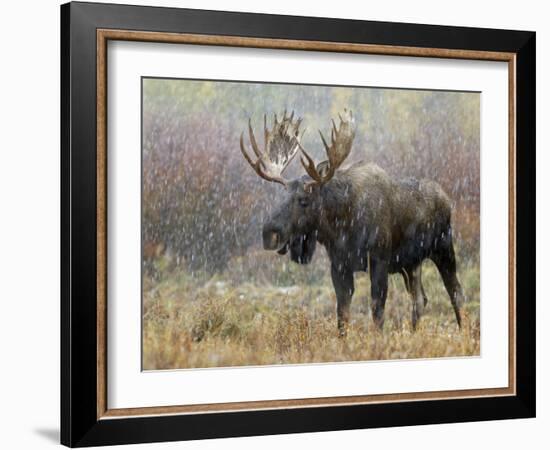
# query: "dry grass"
[[188, 323]]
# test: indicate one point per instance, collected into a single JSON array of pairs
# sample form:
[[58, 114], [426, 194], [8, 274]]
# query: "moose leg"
[[379, 289], [446, 264], [406, 278], [342, 279], [417, 295]]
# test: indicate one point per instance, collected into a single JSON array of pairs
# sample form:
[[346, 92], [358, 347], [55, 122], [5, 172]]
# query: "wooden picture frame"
[[86, 418]]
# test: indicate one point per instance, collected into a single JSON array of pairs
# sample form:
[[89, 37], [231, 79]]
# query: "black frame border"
[[79, 423]]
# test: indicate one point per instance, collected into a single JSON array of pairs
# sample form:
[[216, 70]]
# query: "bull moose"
[[366, 220]]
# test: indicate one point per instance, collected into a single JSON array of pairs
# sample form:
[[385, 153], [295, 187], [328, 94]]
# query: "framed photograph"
[[276, 224]]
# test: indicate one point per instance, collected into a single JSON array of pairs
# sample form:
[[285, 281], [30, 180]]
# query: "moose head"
[[295, 223]]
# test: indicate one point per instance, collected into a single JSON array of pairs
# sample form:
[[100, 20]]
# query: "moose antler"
[[337, 151], [281, 144]]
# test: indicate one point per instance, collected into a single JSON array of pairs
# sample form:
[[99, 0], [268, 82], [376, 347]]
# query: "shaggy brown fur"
[[369, 222]]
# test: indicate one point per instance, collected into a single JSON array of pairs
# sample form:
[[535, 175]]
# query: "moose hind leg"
[[406, 279], [446, 264], [417, 294], [379, 290], [342, 279]]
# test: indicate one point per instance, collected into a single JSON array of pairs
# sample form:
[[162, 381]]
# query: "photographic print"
[[249, 215], [292, 224]]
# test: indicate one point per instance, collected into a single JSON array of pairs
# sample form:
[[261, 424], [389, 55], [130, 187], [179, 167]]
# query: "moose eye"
[[304, 202]]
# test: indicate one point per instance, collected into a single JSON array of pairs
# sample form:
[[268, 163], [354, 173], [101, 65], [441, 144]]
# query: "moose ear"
[[302, 248], [322, 168], [311, 186]]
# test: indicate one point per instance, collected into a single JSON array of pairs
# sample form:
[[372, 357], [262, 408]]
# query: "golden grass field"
[[189, 322]]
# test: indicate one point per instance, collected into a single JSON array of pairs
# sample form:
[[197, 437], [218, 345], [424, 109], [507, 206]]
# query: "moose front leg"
[[379, 290], [342, 279]]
